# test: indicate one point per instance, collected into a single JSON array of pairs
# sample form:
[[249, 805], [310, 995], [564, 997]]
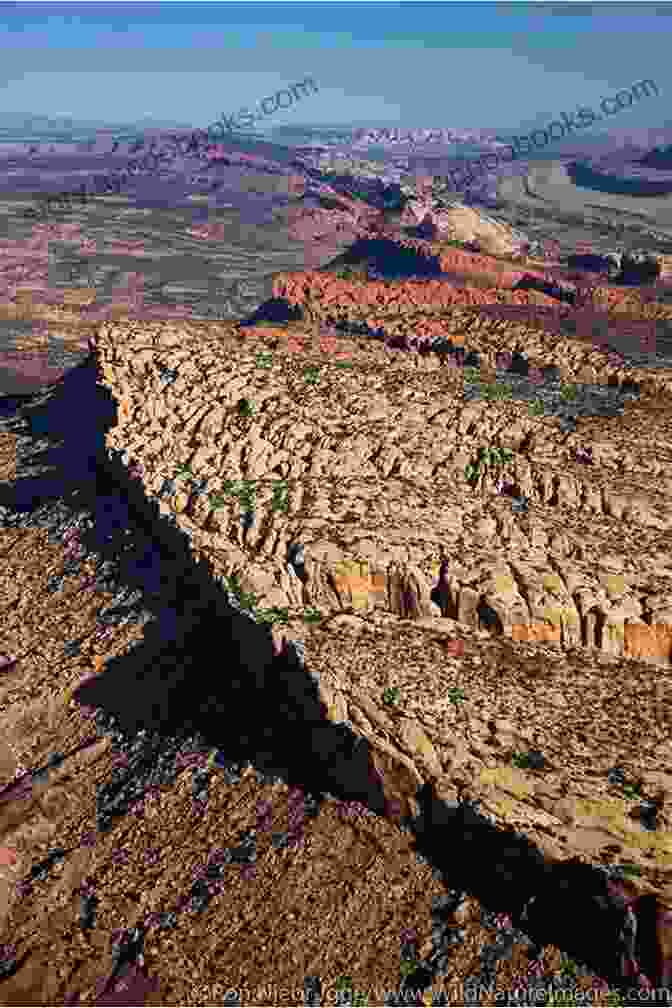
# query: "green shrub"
[[273, 615], [280, 502], [487, 458], [569, 391], [312, 615], [247, 600], [496, 391], [456, 695], [246, 408], [347, 273]]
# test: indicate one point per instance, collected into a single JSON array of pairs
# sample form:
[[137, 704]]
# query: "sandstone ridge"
[[371, 464], [414, 599]]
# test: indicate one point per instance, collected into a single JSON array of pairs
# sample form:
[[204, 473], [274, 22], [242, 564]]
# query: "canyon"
[[459, 608]]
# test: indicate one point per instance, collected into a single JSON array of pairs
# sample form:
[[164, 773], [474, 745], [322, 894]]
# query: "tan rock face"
[[371, 463], [512, 659], [467, 224], [509, 659], [320, 472]]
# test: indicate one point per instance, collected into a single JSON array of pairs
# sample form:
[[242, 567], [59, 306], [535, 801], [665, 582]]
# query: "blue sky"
[[497, 66]]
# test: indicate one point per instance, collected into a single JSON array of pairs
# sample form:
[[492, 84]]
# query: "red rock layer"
[[332, 292]]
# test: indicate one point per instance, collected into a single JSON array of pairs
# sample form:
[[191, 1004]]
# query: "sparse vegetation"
[[631, 869], [348, 273], [487, 458], [182, 471], [569, 392], [279, 502], [246, 408], [456, 696], [632, 790], [491, 391], [391, 695], [454, 244], [344, 986], [312, 615], [245, 491], [524, 760], [273, 615], [496, 391], [247, 600]]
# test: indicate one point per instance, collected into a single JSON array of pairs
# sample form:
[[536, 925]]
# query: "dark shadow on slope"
[[426, 230], [528, 282], [274, 310], [569, 904], [386, 256], [593, 263], [635, 272], [206, 666]]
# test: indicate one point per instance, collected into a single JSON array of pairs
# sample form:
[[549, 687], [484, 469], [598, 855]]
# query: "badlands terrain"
[[336, 651]]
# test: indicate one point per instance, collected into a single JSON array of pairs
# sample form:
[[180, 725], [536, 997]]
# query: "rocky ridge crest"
[[361, 512]]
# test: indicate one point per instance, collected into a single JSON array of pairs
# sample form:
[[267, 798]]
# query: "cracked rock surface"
[[505, 638]]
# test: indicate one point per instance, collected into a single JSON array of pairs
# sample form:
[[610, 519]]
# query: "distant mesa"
[[660, 159], [650, 175]]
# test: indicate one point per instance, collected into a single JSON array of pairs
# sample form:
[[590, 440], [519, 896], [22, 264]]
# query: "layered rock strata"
[[395, 436], [338, 493]]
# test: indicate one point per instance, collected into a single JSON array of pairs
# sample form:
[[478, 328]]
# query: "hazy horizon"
[[505, 67]]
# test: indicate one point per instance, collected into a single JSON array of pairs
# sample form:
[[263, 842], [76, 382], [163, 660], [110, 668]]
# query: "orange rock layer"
[[331, 292]]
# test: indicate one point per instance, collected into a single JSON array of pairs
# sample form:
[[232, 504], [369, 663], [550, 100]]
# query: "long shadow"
[[276, 310], [387, 256], [206, 666], [528, 282]]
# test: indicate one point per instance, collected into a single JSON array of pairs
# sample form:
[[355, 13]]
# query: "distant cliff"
[[631, 181], [659, 158]]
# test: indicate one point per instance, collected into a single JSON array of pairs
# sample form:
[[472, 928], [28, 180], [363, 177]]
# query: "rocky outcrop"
[[330, 210], [403, 312], [550, 590], [469, 746], [320, 293], [323, 476], [462, 223], [451, 645], [468, 224], [520, 660]]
